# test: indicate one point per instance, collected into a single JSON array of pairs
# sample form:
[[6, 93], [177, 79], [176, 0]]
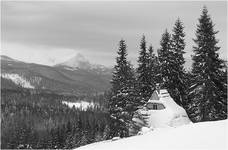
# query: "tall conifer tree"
[[164, 56], [143, 72], [121, 104], [178, 75], [152, 68], [207, 94]]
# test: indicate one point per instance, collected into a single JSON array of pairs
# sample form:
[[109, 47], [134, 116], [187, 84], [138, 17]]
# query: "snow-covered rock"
[[196, 136], [17, 79]]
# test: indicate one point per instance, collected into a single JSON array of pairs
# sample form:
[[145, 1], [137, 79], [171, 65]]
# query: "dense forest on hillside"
[[41, 121]]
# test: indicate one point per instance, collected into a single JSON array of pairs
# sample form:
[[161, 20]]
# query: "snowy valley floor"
[[197, 136]]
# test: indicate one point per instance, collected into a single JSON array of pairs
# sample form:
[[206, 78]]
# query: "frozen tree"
[[177, 86], [165, 61], [153, 68], [121, 104], [145, 84], [208, 91]]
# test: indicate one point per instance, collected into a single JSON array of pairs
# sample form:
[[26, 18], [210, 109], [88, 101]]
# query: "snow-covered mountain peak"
[[79, 57], [78, 61]]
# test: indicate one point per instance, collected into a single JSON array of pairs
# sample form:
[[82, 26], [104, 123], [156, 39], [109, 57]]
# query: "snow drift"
[[196, 136]]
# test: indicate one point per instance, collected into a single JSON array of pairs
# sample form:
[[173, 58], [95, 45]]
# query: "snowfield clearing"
[[17, 79], [83, 105], [194, 136]]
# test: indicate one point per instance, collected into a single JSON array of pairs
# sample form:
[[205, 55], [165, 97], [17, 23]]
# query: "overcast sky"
[[51, 32]]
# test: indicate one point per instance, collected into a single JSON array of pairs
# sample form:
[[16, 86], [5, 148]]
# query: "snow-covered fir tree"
[[165, 61], [143, 73], [208, 91], [172, 63], [118, 76], [177, 86], [153, 68], [121, 104]]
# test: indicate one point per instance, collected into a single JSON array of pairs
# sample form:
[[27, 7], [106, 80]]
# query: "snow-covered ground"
[[17, 79], [194, 136], [83, 105]]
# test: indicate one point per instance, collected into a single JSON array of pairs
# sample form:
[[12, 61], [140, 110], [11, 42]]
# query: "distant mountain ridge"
[[7, 58], [80, 62], [59, 78]]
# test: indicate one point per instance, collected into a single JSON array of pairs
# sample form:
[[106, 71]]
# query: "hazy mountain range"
[[75, 76]]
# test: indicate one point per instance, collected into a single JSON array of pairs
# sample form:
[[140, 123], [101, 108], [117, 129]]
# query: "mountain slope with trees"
[[58, 79]]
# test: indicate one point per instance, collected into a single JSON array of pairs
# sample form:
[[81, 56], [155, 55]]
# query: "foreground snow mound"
[[197, 136]]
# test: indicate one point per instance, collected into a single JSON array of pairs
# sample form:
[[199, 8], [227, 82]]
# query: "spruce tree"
[[152, 68], [119, 76], [177, 75], [208, 91], [143, 73], [165, 61], [121, 106]]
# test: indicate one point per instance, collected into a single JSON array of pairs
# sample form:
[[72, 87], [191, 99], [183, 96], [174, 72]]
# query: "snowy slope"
[[62, 79], [198, 136], [17, 79]]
